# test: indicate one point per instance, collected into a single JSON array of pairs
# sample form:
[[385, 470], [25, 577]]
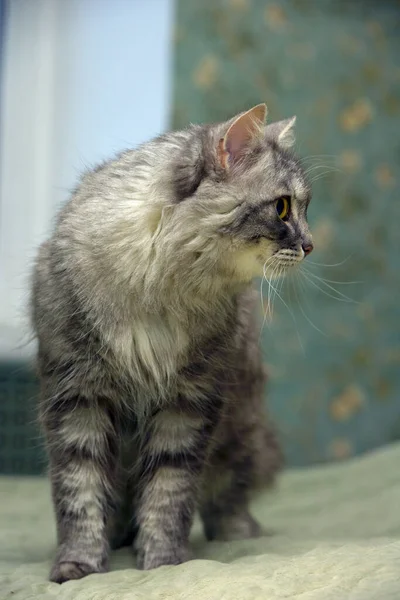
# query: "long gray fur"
[[151, 373]]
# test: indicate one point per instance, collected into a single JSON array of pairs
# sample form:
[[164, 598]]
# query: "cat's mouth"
[[278, 265], [263, 263], [284, 259], [289, 258]]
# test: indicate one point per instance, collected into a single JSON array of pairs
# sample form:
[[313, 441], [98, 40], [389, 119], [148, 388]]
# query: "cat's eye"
[[283, 207]]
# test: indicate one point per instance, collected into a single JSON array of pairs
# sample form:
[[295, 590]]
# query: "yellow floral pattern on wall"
[[335, 64]]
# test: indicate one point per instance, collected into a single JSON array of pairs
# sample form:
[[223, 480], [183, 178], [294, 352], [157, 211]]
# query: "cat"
[[151, 374]]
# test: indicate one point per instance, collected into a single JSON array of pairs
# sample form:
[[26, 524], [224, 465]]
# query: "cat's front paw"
[[151, 558], [65, 571], [76, 561]]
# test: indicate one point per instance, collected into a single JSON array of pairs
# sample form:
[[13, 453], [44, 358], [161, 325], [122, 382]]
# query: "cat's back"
[[110, 212], [42, 291], [83, 225]]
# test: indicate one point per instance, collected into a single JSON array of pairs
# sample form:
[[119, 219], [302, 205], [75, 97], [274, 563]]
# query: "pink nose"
[[307, 248]]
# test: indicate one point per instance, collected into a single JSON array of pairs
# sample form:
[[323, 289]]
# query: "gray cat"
[[151, 374]]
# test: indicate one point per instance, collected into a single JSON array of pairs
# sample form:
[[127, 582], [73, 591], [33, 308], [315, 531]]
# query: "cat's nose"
[[307, 248]]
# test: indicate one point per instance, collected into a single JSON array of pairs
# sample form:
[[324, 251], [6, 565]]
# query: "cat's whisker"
[[264, 278], [277, 275], [323, 174], [332, 280], [310, 262], [340, 297], [264, 312], [267, 279], [319, 158], [282, 278], [277, 294], [316, 167], [267, 264], [270, 288], [300, 285], [326, 284], [311, 156]]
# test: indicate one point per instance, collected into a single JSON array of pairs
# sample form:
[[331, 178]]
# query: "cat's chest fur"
[[162, 352], [153, 346]]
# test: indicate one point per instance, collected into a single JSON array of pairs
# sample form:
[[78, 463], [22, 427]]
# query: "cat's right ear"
[[241, 135], [282, 132]]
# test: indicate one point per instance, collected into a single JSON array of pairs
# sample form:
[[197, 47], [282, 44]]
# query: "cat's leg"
[[246, 454], [82, 449], [225, 505], [246, 461], [172, 461]]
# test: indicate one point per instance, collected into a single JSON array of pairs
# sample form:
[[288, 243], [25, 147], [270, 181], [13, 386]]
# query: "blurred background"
[[82, 79]]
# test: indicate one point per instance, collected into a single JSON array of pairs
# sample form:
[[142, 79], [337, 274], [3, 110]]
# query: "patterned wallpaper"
[[333, 363]]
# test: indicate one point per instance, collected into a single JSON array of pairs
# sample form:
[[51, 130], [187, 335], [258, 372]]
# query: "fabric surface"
[[335, 534], [334, 64]]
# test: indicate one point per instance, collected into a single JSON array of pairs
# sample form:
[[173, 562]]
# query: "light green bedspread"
[[335, 535]]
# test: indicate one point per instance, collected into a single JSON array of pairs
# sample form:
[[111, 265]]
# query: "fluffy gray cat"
[[151, 374]]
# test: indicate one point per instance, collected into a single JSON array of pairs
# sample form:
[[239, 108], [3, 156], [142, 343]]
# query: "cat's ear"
[[240, 135], [282, 132]]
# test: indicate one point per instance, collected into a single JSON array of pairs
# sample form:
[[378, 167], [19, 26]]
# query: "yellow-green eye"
[[283, 208]]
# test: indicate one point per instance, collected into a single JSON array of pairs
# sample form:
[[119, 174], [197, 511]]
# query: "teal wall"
[[335, 64]]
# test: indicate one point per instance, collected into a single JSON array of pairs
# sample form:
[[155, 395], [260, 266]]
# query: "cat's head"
[[240, 197]]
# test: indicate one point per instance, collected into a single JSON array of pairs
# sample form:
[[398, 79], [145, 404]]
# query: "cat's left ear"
[[282, 132], [241, 135]]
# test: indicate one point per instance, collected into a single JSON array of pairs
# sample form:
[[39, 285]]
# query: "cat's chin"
[[259, 273], [261, 270], [280, 268], [261, 261]]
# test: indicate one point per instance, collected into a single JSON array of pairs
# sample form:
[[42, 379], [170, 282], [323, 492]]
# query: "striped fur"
[[151, 375]]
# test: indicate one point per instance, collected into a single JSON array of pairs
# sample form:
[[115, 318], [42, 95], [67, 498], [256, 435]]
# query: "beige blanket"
[[335, 534]]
